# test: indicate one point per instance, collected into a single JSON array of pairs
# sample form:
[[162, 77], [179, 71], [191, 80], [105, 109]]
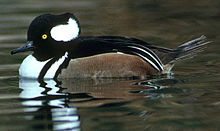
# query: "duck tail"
[[185, 51]]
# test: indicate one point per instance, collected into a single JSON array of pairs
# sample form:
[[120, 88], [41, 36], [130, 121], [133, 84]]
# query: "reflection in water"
[[158, 88], [46, 103], [65, 118], [56, 103]]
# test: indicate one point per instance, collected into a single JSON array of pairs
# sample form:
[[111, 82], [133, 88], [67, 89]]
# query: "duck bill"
[[27, 47]]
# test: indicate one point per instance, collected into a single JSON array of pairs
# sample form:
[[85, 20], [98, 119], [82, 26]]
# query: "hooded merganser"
[[59, 52]]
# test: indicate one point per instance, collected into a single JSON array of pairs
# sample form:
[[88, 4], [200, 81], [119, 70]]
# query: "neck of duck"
[[33, 66]]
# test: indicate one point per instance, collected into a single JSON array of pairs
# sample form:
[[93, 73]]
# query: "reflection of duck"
[[57, 104], [59, 51], [81, 92], [47, 104]]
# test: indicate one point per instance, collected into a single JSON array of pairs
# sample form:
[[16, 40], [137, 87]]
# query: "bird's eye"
[[44, 36]]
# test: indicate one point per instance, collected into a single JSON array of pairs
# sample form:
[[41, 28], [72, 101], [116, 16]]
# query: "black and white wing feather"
[[104, 44]]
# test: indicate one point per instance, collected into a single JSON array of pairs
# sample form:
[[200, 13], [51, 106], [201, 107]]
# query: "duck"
[[60, 52]]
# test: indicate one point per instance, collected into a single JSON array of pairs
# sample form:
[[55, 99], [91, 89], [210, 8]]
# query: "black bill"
[[27, 47]]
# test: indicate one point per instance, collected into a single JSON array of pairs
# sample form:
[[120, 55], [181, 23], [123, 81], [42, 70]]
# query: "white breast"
[[31, 67]]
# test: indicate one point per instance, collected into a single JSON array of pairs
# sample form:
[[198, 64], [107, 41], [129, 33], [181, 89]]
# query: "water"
[[186, 100]]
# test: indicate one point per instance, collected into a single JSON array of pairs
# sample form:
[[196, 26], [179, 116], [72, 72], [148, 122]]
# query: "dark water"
[[187, 100]]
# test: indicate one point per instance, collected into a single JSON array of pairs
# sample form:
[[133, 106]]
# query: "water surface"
[[187, 100]]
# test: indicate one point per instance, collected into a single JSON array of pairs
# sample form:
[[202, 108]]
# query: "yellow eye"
[[44, 36]]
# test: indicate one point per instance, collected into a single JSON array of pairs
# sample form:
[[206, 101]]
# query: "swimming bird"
[[59, 51]]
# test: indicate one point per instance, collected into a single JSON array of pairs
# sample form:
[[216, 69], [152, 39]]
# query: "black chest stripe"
[[63, 65], [46, 68]]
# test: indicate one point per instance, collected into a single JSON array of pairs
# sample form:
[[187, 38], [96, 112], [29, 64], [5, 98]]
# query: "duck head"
[[50, 35]]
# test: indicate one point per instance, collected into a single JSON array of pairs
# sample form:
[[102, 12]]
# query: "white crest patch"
[[65, 32], [31, 67]]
